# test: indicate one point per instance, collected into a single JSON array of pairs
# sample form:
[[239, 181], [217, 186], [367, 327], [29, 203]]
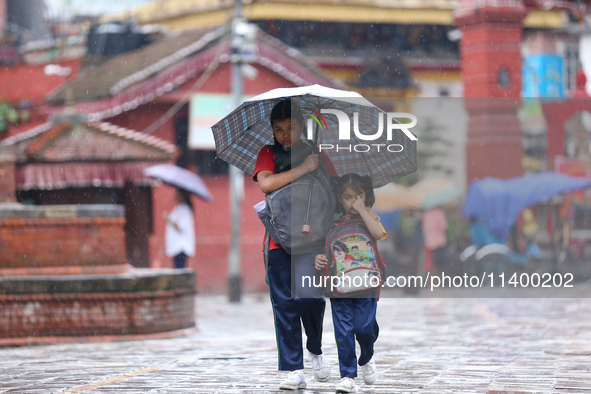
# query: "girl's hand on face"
[[359, 204], [320, 261], [311, 163]]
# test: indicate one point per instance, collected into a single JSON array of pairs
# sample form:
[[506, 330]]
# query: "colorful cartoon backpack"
[[353, 258]]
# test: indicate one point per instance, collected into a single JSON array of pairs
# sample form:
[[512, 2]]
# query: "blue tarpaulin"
[[499, 202]]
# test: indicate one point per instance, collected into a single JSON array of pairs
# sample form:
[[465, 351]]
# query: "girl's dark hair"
[[283, 110], [356, 182], [340, 245]]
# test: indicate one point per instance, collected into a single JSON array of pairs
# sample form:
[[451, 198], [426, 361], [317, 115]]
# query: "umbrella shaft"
[[316, 132]]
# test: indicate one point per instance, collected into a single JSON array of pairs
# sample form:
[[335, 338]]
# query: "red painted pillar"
[[3, 16], [490, 51], [7, 182]]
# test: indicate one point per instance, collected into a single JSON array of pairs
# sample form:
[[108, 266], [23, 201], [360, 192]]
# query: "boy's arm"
[[269, 181]]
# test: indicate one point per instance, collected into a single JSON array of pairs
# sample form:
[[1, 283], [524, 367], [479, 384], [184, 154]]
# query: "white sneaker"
[[295, 380], [346, 385], [370, 372], [320, 367], [307, 355]]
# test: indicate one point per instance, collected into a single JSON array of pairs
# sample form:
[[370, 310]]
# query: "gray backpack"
[[286, 207]]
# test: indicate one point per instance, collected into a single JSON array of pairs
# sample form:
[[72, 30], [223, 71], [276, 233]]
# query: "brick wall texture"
[[38, 315], [63, 242]]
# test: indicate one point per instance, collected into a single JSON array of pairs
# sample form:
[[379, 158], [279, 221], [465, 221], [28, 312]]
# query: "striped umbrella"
[[240, 136]]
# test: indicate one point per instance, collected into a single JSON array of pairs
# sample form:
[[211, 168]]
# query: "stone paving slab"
[[426, 346]]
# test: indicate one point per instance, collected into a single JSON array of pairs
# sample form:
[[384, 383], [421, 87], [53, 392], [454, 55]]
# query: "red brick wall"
[[47, 246], [95, 313]]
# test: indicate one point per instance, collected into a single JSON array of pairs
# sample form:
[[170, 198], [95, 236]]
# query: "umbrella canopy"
[[499, 202], [181, 178], [240, 136], [425, 194], [448, 193], [393, 197]]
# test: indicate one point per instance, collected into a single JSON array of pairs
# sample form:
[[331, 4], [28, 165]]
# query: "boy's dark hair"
[[356, 182], [354, 246], [284, 110]]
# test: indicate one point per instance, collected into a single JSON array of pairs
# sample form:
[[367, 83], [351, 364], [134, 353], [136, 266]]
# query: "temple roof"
[[77, 154], [91, 142], [129, 80]]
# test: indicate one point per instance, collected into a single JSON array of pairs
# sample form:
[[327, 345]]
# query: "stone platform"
[[64, 273], [142, 301]]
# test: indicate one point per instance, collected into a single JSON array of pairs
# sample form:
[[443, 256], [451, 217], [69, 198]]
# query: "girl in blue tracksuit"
[[355, 318]]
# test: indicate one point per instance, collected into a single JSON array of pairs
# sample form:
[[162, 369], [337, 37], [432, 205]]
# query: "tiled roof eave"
[[167, 61], [31, 145], [291, 66]]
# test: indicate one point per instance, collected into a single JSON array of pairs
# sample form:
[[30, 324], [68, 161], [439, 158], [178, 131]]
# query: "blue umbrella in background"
[[499, 202]]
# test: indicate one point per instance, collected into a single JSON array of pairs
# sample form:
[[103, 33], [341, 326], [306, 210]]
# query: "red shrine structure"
[[491, 71]]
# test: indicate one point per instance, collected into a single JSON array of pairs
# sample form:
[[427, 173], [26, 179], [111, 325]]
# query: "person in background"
[[530, 231], [434, 227], [180, 230]]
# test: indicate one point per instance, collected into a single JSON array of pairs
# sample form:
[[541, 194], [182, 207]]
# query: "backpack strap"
[[282, 158], [345, 217]]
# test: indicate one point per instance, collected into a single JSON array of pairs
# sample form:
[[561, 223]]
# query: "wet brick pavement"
[[427, 346]]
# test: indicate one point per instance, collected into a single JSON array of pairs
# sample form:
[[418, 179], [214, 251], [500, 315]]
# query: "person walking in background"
[[434, 227], [180, 230]]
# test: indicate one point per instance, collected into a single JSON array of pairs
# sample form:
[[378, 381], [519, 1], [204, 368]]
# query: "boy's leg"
[[343, 317], [310, 298], [286, 312], [366, 327]]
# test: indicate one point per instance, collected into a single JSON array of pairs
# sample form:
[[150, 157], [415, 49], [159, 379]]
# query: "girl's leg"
[[310, 298], [286, 312], [366, 327], [343, 317]]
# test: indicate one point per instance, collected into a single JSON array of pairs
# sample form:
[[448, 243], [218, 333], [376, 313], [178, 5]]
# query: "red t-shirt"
[[266, 162]]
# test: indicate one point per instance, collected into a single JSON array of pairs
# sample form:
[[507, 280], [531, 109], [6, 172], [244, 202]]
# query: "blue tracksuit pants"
[[291, 313], [354, 318]]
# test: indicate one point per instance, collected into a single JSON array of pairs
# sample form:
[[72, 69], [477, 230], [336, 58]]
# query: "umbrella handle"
[[306, 229]]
